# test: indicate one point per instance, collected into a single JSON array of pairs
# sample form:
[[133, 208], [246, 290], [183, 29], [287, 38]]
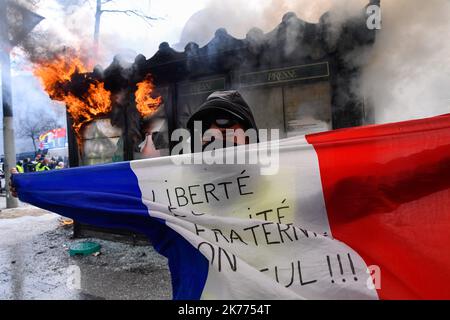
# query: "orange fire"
[[84, 108], [56, 76], [54, 73], [96, 103], [145, 104]]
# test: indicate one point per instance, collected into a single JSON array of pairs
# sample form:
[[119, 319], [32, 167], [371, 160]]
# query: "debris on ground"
[[65, 222], [120, 271]]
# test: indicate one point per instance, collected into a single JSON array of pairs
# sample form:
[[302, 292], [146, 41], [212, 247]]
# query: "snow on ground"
[[35, 264]]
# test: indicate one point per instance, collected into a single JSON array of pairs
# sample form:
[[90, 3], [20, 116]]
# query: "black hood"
[[228, 101]]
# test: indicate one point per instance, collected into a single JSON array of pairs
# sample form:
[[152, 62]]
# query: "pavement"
[[35, 263]]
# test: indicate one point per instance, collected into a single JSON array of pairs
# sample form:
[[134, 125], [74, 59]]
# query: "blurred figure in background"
[[26, 165], [43, 165], [19, 166], [53, 163]]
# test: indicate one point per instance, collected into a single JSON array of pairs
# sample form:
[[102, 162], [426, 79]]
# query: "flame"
[[66, 78], [145, 103], [97, 102], [84, 107], [54, 73]]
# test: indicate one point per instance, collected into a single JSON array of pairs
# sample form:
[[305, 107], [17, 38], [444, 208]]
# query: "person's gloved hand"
[[12, 189]]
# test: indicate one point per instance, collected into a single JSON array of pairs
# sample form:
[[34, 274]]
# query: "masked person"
[[222, 111]]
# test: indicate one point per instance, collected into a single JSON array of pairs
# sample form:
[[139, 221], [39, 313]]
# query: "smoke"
[[69, 26], [238, 17], [405, 75], [31, 103], [29, 100], [26, 92], [408, 73], [64, 27]]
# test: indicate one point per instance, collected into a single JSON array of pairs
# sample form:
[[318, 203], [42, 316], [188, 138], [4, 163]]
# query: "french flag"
[[360, 213]]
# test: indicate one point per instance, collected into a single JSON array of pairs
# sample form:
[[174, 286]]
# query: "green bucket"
[[84, 248]]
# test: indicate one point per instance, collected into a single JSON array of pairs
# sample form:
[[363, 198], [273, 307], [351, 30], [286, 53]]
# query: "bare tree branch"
[[136, 13]]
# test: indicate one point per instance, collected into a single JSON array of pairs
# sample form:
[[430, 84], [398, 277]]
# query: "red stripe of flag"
[[387, 193]]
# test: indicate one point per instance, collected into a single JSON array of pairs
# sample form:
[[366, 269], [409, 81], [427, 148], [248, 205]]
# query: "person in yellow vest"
[[60, 165], [43, 165], [38, 166], [19, 167]]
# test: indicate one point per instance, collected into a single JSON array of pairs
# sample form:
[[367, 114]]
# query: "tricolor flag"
[[361, 213]]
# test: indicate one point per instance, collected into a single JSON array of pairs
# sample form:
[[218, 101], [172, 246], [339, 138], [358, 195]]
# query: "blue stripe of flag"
[[109, 196]]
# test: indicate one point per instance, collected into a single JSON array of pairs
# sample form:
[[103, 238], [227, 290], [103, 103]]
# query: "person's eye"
[[222, 122]]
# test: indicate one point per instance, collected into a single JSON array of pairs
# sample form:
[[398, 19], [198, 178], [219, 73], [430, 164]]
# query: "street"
[[35, 263]]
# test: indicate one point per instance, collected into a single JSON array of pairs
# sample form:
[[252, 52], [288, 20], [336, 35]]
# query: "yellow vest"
[[19, 168], [41, 167]]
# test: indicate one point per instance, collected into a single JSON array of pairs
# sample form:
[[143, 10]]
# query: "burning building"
[[297, 78]]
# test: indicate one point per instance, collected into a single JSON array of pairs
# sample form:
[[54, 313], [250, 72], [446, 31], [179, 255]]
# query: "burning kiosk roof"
[[295, 51]]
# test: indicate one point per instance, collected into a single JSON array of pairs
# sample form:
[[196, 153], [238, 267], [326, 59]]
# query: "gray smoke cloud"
[[238, 17], [406, 75], [65, 27], [26, 92], [29, 100], [408, 72]]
